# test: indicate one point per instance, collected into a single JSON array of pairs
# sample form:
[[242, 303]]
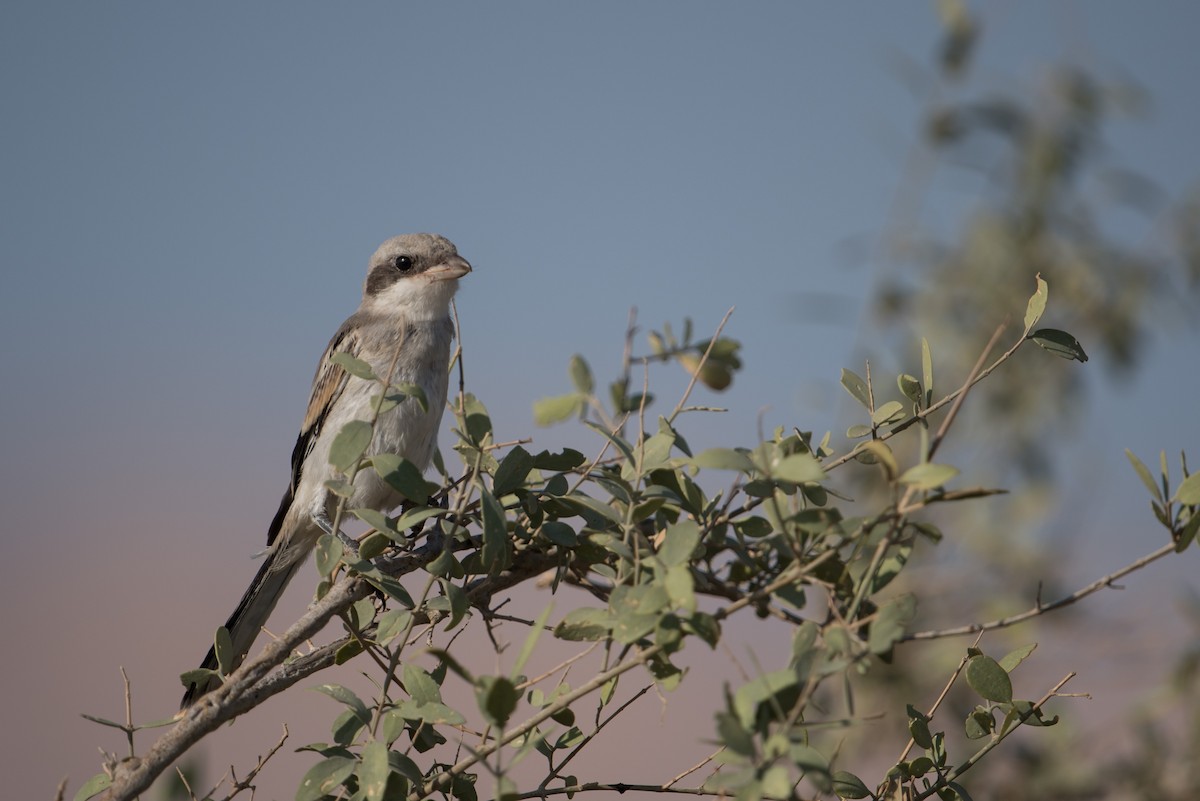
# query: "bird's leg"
[[322, 520]]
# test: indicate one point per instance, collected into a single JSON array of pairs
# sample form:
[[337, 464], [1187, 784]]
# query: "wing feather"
[[328, 384]]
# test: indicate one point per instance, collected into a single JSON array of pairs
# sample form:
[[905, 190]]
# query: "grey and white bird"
[[403, 330]]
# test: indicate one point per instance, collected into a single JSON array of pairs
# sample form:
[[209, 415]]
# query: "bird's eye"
[[403, 263]]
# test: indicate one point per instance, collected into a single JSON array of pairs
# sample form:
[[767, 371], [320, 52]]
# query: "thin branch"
[[695, 767], [972, 760], [696, 373], [962, 663], [1040, 608], [588, 739], [961, 395]]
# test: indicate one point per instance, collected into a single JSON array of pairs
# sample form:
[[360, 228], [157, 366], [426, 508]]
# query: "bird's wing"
[[328, 384]]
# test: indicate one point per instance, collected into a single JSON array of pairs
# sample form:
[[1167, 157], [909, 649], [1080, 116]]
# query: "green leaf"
[[476, 419], [1037, 304], [979, 723], [584, 624], [1060, 343], [353, 365], [568, 459], [858, 431], [93, 786], [497, 697], [392, 624], [776, 782], [987, 678], [1188, 492], [889, 412], [374, 770], [342, 489], [420, 686], [349, 445], [799, 468], [415, 516], [847, 785], [378, 521], [953, 791], [512, 471], [399, 392], [459, 603], [560, 533], [680, 587], [679, 541], [724, 459], [1016, 657], [329, 552], [889, 626], [1144, 474], [548, 411], [223, 648], [531, 640], [324, 778], [749, 696], [856, 387], [393, 588], [346, 696], [581, 375], [624, 447], [918, 728], [910, 387], [495, 552], [446, 566], [402, 475], [928, 476]]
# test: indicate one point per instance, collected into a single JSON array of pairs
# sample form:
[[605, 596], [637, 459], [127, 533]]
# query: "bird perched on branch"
[[403, 330]]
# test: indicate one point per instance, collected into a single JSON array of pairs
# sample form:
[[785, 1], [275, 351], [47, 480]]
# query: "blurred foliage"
[[1046, 197], [1023, 184]]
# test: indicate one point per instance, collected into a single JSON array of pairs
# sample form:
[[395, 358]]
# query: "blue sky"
[[191, 194]]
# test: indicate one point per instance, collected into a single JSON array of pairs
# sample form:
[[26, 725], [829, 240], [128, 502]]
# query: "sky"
[[190, 195]]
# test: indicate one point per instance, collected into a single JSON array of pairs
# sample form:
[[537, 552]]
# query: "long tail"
[[251, 614]]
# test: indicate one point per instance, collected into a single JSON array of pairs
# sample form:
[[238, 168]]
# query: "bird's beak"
[[454, 267]]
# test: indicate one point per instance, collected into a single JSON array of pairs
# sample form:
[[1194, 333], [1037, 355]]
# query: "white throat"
[[415, 299]]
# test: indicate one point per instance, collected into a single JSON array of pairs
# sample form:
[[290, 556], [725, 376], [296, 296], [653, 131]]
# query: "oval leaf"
[[929, 475], [350, 444], [724, 459], [1037, 304], [987, 678], [581, 375], [847, 785], [1060, 343], [856, 387], [324, 777], [799, 468], [373, 773], [353, 365], [549, 411], [1189, 491]]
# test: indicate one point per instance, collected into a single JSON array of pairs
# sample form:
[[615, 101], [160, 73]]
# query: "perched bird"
[[403, 330]]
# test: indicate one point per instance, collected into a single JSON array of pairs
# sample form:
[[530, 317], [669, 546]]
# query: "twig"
[[961, 395], [695, 767], [978, 755], [1040, 608], [942, 697], [696, 373], [600, 727]]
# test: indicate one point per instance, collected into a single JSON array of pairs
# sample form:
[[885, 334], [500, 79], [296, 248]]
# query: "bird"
[[403, 330]]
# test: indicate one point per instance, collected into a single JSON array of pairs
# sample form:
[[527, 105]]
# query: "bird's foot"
[[323, 522]]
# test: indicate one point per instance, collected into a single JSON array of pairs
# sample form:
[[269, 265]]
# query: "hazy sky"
[[190, 195]]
